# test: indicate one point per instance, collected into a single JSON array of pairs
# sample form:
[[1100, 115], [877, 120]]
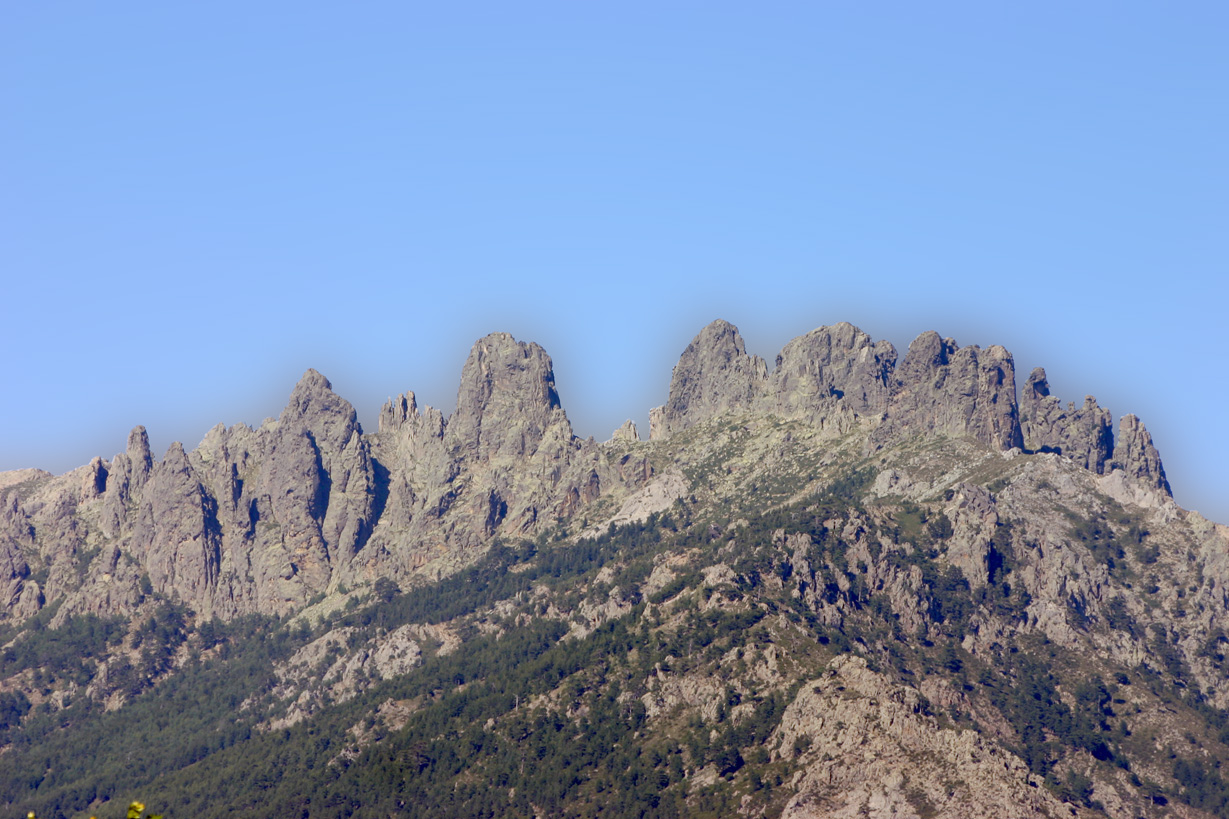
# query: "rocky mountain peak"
[[138, 449], [928, 353], [506, 400], [313, 406], [830, 370], [942, 388], [1135, 454], [1086, 434], [713, 375]]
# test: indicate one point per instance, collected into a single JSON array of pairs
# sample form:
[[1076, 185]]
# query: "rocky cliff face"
[[943, 389], [714, 375], [845, 586], [837, 379], [1085, 435], [263, 519]]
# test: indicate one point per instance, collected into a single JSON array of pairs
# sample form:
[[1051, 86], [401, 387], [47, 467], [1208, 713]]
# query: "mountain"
[[852, 584]]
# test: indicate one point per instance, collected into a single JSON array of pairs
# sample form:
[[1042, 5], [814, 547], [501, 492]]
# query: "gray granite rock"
[[1135, 454], [943, 389], [1085, 435], [830, 373], [714, 375]]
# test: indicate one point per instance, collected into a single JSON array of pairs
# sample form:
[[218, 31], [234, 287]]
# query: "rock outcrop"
[[1135, 454], [626, 433], [1086, 435], [832, 376], [873, 751], [943, 389], [176, 536], [128, 474], [714, 375], [836, 377], [506, 403], [262, 519]]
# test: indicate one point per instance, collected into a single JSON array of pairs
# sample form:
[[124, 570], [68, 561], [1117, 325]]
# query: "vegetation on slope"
[[539, 709]]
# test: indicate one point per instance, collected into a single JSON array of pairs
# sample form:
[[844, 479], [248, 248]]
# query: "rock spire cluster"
[[262, 519], [838, 377]]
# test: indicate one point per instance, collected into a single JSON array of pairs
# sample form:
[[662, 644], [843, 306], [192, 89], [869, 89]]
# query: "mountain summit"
[[849, 584]]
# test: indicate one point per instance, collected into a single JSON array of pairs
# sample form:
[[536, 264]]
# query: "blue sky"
[[200, 201]]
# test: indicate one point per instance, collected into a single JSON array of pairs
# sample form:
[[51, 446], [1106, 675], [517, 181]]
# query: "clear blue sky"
[[200, 201]]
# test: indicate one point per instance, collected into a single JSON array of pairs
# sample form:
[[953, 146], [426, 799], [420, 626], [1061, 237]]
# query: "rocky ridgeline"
[[264, 519], [839, 378]]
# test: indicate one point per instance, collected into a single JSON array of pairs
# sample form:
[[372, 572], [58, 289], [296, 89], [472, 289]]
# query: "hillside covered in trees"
[[842, 587]]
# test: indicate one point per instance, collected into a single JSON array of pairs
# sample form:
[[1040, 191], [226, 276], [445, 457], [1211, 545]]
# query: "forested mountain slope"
[[844, 586]]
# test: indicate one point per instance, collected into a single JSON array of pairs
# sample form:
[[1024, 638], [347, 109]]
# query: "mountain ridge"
[[854, 584], [332, 490]]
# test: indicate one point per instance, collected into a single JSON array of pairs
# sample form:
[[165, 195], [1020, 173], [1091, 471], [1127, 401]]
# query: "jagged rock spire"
[[506, 400], [1086, 435], [942, 388], [1135, 454], [714, 375]]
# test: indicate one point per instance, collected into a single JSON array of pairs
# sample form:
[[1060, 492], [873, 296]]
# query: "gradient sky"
[[200, 201]]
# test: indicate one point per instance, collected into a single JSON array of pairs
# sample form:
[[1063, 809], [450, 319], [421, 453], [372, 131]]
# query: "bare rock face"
[[320, 477], [626, 433], [128, 475], [177, 536], [974, 518], [873, 751], [714, 375], [506, 402], [830, 373], [943, 389], [1084, 435], [410, 451], [16, 537], [1135, 454]]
